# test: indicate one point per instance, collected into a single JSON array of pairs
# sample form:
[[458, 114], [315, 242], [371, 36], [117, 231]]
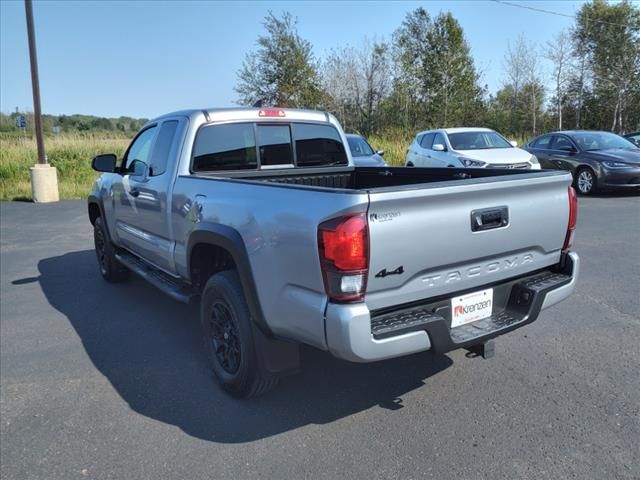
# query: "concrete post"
[[44, 178]]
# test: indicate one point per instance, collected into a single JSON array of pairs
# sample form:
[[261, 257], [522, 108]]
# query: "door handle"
[[134, 192]]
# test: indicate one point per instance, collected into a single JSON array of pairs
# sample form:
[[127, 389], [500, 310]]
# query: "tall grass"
[[394, 143], [71, 155]]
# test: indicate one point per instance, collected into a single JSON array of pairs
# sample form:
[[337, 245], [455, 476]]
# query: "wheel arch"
[[95, 209], [225, 240]]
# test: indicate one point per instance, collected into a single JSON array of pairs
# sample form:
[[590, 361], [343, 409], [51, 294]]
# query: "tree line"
[[425, 76], [73, 123]]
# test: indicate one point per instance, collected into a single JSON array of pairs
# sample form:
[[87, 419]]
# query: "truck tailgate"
[[423, 243]]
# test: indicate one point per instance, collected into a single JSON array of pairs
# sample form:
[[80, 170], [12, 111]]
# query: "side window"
[[318, 145], [543, 143], [139, 152], [427, 140], [225, 147], [275, 145], [162, 147], [561, 142], [439, 139]]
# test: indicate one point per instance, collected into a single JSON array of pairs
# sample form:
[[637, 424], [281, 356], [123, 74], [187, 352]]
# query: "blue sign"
[[21, 121]]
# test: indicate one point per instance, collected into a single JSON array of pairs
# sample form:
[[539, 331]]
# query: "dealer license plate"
[[471, 307]]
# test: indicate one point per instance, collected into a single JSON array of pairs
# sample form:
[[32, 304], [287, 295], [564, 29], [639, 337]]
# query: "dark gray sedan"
[[598, 160], [362, 153]]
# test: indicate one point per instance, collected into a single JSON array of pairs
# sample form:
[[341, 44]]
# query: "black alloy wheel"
[[223, 337]]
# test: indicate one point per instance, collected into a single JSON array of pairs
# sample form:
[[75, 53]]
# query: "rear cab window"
[[274, 145], [255, 146], [318, 145], [225, 147]]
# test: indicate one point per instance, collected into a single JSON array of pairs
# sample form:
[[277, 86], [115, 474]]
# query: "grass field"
[[71, 154]]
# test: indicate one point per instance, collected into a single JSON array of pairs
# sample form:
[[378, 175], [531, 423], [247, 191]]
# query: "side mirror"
[[513, 143], [105, 163], [438, 147], [567, 148], [380, 152]]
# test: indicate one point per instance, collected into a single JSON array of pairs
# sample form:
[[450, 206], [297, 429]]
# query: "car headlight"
[[467, 162], [614, 164], [533, 160]]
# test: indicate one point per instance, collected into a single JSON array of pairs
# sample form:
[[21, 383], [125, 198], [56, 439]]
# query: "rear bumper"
[[426, 326]]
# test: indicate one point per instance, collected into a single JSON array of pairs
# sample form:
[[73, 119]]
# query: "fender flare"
[[230, 239], [93, 200]]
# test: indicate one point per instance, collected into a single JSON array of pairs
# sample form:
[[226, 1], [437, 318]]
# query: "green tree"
[[356, 82], [456, 98], [411, 93], [436, 81], [607, 36], [283, 70], [558, 52]]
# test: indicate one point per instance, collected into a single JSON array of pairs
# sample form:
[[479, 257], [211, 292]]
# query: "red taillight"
[[346, 243], [272, 112], [344, 257], [573, 219]]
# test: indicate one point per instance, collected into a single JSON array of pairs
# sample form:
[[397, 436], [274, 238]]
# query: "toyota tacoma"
[[261, 217]]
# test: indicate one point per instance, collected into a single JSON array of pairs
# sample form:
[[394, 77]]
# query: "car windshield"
[[359, 147], [590, 141], [477, 141]]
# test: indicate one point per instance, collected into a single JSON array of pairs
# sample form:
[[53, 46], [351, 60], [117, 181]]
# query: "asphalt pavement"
[[110, 381]]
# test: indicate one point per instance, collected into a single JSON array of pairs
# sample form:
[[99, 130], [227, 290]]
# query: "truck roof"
[[251, 113]]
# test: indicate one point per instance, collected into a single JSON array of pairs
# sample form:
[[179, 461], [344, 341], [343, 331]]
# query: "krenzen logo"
[[383, 217], [460, 310]]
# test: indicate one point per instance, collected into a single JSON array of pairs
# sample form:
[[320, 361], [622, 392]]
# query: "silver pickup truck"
[[261, 216]]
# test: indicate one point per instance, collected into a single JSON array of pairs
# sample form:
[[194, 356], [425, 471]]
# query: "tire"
[[228, 336], [110, 268], [410, 164], [586, 182]]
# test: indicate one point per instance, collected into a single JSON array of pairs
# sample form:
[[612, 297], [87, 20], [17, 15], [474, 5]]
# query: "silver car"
[[363, 154]]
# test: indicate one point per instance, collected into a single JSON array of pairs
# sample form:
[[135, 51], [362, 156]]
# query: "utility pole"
[[44, 178]]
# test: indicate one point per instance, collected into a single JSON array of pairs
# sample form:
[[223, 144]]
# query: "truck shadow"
[[149, 348]]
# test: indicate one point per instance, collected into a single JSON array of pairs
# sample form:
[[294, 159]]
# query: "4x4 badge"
[[383, 273]]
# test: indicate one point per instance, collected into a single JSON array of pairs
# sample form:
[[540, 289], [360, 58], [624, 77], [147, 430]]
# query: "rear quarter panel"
[[278, 225]]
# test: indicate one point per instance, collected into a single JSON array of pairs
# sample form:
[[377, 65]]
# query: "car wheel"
[[586, 181], [227, 331], [110, 268], [410, 164]]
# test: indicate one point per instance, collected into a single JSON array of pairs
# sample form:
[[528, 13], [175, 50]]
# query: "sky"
[[146, 58]]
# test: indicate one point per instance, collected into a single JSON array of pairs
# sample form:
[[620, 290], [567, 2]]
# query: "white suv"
[[467, 147]]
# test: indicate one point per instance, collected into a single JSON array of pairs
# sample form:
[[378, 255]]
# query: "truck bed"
[[367, 178]]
